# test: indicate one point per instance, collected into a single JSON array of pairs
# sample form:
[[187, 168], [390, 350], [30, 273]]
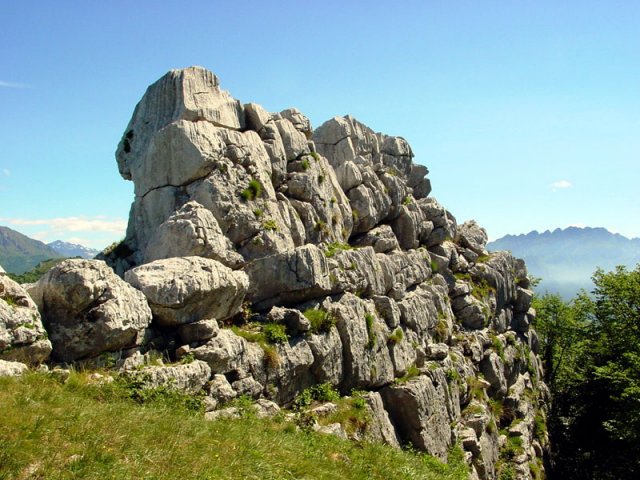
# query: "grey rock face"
[[22, 335], [192, 231], [289, 277], [331, 234], [12, 369], [188, 289], [87, 309], [418, 408], [190, 377]]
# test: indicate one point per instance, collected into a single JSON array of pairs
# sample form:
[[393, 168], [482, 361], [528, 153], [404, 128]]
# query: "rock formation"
[[279, 258]]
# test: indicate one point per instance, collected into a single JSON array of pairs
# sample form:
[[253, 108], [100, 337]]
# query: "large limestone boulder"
[[289, 277], [87, 309], [188, 377], [191, 231], [187, 289], [22, 335], [12, 369]]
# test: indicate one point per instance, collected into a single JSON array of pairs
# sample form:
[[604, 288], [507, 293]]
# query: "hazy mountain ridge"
[[68, 249], [19, 253], [566, 258]]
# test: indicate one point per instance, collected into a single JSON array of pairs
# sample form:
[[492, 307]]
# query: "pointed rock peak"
[[191, 94]]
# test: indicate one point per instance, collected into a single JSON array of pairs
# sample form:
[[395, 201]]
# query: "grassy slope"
[[76, 430]]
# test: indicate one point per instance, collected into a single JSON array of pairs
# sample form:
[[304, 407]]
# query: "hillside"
[[19, 253], [70, 250], [565, 259]]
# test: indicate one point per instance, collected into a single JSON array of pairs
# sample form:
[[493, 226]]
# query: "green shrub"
[[407, 200], [323, 392], [258, 212], [315, 156], [275, 333], [321, 320], [334, 247], [253, 190], [396, 336], [305, 164], [412, 372], [270, 225]]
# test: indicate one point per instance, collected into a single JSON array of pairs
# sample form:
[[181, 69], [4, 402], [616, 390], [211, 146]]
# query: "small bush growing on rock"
[[334, 247], [407, 200], [270, 225], [321, 320], [275, 333], [412, 372], [481, 290], [258, 212], [315, 156], [434, 266], [323, 392], [253, 190], [305, 164], [396, 337], [371, 332]]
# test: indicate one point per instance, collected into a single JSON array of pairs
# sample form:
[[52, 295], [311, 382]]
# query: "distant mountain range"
[[565, 259], [67, 249], [19, 253]]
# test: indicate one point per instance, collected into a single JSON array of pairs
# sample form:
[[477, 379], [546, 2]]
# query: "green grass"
[[334, 247], [321, 320], [79, 431], [371, 331], [253, 190], [396, 336]]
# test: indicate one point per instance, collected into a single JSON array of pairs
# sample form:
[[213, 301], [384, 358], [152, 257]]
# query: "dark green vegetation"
[[19, 253], [591, 348], [565, 259], [85, 431], [34, 275]]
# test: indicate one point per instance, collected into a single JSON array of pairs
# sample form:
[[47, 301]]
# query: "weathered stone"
[[22, 336], [87, 309], [12, 369], [289, 277], [418, 410], [381, 238], [295, 321], [191, 231], [190, 377], [379, 427], [191, 94], [199, 331], [220, 389], [363, 334], [188, 289], [473, 236]]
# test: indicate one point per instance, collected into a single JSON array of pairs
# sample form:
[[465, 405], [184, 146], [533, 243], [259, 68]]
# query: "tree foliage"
[[591, 348]]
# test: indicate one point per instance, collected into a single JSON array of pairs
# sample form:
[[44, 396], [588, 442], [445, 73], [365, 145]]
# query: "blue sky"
[[526, 113]]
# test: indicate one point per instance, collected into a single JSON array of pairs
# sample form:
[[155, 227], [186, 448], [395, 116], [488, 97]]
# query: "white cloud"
[[560, 184], [6, 172], [12, 85], [73, 224]]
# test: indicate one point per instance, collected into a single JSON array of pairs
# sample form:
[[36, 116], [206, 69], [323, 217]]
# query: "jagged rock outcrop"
[[88, 310], [286, 259]]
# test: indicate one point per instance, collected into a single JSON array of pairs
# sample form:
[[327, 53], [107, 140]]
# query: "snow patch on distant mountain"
[[67, 249]]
